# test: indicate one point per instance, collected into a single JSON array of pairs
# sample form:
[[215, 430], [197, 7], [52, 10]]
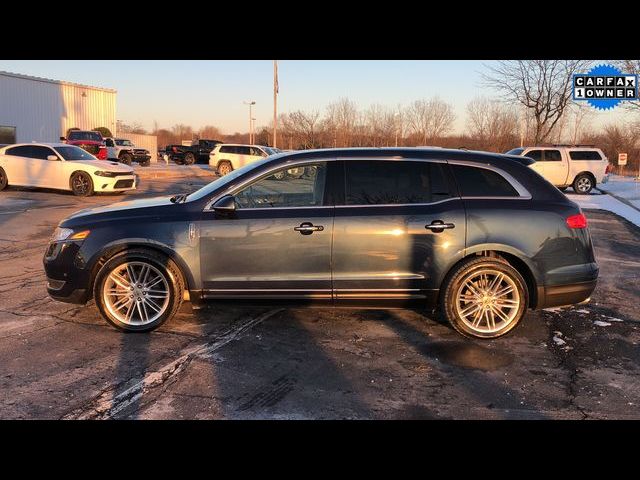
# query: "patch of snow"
[[623, 187], [600, 323], [607, 202], [613, 319], [558, 341], [553, 309], [582, 310]]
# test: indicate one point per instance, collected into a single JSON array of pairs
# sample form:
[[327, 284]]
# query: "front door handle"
[[307, 228], [438, 226]]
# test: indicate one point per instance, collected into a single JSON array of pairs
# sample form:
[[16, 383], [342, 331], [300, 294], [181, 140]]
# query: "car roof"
[[241, 145], [477, 156], [38, 144]]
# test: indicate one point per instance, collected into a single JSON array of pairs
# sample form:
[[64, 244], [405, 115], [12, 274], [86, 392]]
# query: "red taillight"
[[577, 221], [174, 149], [102, 153], [608, 169]]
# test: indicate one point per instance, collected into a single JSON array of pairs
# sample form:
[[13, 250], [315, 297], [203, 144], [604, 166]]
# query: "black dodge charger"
[[479, 236]]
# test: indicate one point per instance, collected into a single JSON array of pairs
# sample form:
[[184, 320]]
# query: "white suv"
[[227, 157], [579, 166]]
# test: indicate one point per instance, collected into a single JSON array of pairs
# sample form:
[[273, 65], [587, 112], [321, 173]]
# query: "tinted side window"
[[243, 150], [225, 149], [481, 182], [394, 182], [552, 156], [22, 151], [534, 155], [585, 155], [40, 153]]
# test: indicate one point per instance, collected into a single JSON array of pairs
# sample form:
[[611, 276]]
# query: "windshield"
[[515, 151], [91, 136], [126, 143], [71, 153], [222, 181]]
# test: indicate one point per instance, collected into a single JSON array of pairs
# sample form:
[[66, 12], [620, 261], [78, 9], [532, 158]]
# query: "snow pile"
[[607, 202]]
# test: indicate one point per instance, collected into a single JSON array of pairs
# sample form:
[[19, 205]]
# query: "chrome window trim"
[[523, 193]]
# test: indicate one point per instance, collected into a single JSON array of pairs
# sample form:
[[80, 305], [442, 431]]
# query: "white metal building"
[[42, 110]]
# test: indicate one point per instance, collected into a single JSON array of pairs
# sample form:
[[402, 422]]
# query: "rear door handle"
[[438, 226], [307, 228]]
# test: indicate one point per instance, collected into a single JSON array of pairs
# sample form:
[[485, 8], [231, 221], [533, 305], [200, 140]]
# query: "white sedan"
[[63, 167]]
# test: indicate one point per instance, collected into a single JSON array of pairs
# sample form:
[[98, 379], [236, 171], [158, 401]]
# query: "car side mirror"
[[63, 139], [225, 205], [52, 158]]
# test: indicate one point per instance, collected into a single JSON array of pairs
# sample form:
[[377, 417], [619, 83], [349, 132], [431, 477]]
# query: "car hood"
[[144, 203], [104, 165]]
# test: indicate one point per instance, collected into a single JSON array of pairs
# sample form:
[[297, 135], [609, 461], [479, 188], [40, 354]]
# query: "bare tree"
[[302, 127], [543, 87], [430, 119], [633, 67], [210, 132], [341, 118], [493, 124], [182, 132]]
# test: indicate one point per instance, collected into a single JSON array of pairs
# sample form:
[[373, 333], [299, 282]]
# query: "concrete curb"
[[621, 199]]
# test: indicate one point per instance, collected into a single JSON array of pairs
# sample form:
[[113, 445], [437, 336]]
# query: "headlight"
[[61, 234], [105, 174]]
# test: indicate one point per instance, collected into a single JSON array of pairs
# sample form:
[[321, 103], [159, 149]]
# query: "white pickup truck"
[[579, 166]]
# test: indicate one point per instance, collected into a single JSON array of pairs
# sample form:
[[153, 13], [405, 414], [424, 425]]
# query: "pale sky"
[[211, 92]]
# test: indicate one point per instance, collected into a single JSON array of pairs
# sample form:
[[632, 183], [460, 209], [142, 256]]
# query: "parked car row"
[[116, 149]]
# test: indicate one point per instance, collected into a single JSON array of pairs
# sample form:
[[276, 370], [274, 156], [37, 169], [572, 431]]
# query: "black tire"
[[583, 184], [126, 158], [81, 184], [4, 181], [189, 158], [454, 285], [161, 262], [224, 168], [145, 163]]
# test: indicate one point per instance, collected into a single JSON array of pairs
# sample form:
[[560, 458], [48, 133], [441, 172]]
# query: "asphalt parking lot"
[[63, 361]]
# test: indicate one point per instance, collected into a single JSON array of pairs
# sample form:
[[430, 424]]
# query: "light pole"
[[251, 103], [253, 127], [276, 90]]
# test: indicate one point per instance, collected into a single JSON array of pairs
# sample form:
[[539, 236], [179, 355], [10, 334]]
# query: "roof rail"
[[569, 145]]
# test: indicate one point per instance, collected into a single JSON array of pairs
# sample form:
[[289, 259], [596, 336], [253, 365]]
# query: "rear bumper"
[[562, 295]]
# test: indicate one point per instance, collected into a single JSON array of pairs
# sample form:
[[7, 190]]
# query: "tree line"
[[533, 106]]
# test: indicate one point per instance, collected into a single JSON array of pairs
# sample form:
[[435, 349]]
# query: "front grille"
[[123, 184], [140, 151]]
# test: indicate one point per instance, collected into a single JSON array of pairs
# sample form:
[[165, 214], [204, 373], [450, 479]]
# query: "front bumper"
[[121, 183], [141, 158], [67, 276]]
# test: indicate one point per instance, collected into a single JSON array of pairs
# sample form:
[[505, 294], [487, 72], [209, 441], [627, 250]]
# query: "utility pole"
[[276, 89], [251, 103]]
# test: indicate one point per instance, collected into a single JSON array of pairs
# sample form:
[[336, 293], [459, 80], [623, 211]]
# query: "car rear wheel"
[[224, 168], [583, 184], [138, 290], [145, 163], [126, 158], [189, 158], [3, 179], [484, 298], [81, 184]]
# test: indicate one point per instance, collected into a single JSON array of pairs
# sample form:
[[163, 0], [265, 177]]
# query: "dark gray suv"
[[479, 236]]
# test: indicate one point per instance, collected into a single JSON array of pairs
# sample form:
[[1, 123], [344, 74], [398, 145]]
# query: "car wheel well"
[[513, 260], [73, 173], [589, 174], [111, 252]]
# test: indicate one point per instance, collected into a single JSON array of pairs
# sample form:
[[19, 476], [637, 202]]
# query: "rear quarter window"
[[482, 182], [585, 155]]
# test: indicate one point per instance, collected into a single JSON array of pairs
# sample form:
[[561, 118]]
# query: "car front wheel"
[[224, 169], [81, 184], [138, 290], [189, 159], [484, 298]]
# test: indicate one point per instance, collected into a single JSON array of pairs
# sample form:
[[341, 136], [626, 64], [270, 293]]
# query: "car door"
[[16, 164], [400, 228], [43, 172], [277, 243]]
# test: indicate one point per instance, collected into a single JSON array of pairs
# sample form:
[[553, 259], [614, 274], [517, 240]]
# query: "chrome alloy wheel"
[[136, 293], [487, 301], [584, 184]]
